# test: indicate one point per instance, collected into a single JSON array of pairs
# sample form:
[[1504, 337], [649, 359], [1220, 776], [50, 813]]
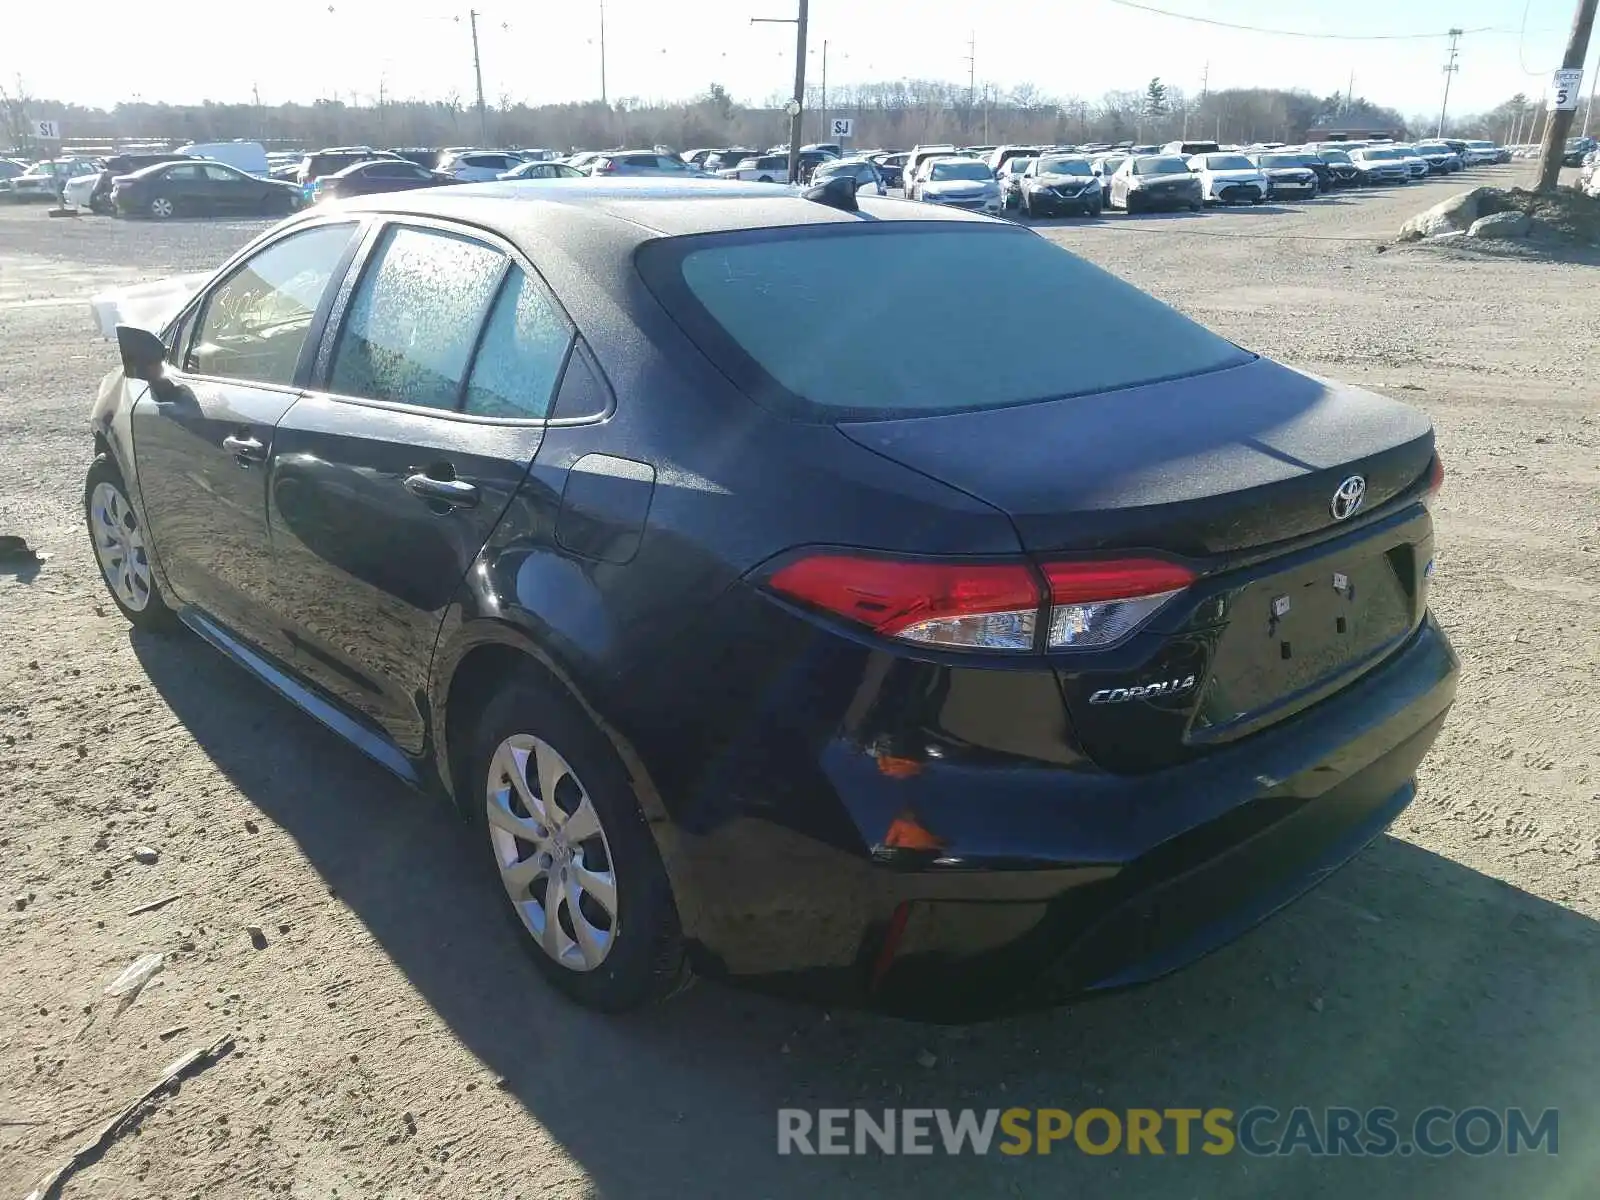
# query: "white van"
[[249, 157]]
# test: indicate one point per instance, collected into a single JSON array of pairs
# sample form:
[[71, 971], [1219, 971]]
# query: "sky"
[[548, 52]]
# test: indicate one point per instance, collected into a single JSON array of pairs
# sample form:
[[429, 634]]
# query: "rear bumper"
[[1053, 883]]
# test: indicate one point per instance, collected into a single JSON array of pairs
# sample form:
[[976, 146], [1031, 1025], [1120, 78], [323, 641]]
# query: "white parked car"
[[249, 157], [959, 182], [1481, 152], [80, 189], [1229, 179], [44, 180], [759, 168], [1415, 163], [479, 166]]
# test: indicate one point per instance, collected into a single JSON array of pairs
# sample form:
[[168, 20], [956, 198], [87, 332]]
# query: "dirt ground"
[[392, 1042]]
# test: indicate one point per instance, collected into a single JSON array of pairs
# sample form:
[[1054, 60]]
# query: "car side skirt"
[[328, 714]]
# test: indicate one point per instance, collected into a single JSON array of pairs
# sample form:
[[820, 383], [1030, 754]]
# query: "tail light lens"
[[605, 168], [986, 606], [1435, 476], [1096, 603], [980, 606]]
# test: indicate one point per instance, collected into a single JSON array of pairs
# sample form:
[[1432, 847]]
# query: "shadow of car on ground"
[[1405, 981]]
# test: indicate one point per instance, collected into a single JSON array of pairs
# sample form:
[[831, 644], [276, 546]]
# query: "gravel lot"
[[392, 1042]]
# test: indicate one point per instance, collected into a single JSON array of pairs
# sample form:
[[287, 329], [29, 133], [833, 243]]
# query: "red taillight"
[[1114, 579], [1435, 476], [992, 606], [986, 606], [605, 169]]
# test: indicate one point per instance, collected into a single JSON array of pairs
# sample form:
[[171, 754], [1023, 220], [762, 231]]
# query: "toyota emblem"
[[1348, 498]]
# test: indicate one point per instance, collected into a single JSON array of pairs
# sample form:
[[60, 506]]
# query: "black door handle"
[[246, 449], [456, 493]]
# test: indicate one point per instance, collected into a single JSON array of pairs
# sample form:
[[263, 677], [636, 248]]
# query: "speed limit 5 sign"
[[1564, 87]]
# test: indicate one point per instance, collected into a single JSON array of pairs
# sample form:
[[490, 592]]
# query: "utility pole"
[[1559, 122], [477, 71], [822, 129], [1350, 93], [603, 99], [1594, 87], [796, 105], [972, 77], [1450, 68]]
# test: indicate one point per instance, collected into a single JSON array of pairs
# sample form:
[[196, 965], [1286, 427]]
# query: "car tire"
[[764, 179], [1196, 206], [162, 208], [610, 959], [121, 550], [1312, 194]]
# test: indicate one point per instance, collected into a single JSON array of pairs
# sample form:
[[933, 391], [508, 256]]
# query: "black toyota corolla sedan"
[[939, 658]]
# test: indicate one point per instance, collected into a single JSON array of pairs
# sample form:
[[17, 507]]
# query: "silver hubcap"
[[552, 852], [119, 545], [161, 208]]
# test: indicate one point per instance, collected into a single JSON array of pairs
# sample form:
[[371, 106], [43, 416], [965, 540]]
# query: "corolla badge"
[[1348, 498], [1149, 691]]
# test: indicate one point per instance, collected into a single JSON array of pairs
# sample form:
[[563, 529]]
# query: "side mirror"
[[143, 353]]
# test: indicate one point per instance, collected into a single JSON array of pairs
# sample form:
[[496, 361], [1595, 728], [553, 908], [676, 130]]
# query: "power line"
[[1302, 33]]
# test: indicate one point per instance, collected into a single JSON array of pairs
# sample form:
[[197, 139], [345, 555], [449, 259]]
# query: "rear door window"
[[414, 318], [768, 308], [523, 351]]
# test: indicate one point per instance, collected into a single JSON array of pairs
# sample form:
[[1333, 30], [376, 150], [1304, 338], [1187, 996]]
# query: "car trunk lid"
[[1234, 472], [1206, 465]]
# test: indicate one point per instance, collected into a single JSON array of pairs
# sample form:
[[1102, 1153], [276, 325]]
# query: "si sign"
[[1564, 87], [842, 127], [47, 131]]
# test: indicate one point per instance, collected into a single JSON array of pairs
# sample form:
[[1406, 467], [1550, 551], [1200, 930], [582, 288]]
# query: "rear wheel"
[[120, 548], [586, 889], [162, 208]]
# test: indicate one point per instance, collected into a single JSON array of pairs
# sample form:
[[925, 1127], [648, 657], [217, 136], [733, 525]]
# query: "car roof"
[[635, 210]]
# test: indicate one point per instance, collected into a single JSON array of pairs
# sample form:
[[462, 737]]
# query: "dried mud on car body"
[[392, 1042]]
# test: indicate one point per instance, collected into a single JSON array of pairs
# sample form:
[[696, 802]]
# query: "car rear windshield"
[[1282, 160], [780, 312], [1228, 162]]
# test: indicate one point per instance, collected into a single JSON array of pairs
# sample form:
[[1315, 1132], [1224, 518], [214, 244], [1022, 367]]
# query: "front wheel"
[[121, 549], [588, 894], [1196, 206], [765, 179], [162, 208]]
